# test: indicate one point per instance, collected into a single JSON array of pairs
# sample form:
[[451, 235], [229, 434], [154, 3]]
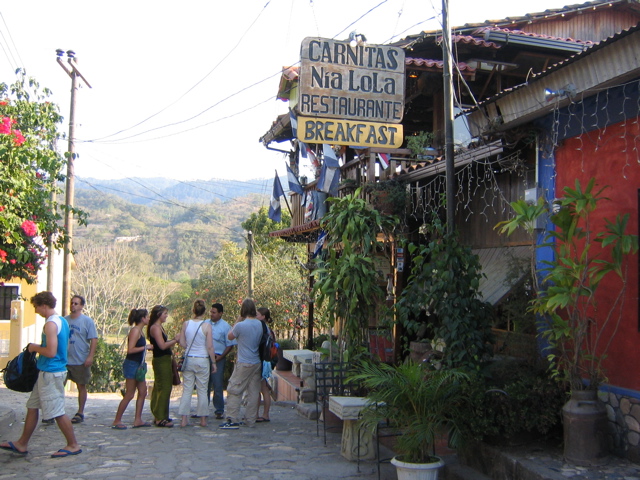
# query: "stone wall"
[[623, 410]]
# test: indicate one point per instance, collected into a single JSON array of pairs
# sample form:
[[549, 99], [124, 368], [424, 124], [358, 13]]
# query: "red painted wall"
[[612, 156]]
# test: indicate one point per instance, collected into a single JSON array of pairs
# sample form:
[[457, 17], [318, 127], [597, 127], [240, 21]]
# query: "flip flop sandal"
[[120, 426], [145, 424], [164, 423], [12, 448], [65, 453], [77, 418], [262, 419]]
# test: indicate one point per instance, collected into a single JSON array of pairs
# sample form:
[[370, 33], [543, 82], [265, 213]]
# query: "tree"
[[30, 175], [114, 280]]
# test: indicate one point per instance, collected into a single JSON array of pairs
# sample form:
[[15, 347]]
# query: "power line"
[[163, 200], [196, 84], [189, 184], [20, 63]]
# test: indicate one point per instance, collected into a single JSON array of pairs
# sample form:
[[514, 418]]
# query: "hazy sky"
[[185, 90]]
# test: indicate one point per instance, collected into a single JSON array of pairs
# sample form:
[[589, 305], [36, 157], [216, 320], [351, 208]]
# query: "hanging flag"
[[294, 123], [294, 184], [275, 213], [384, 160], [330, 172], [319, 243]]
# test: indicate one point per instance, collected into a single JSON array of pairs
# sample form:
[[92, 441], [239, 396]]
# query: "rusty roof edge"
[[556, 66]]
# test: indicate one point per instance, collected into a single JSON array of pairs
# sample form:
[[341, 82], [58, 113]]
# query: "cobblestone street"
[[285, 448]]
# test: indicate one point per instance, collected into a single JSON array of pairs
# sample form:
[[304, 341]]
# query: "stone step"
[[455, 471]]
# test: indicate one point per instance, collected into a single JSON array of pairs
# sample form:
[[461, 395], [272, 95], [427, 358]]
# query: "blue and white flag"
[[294, 123], [319, 243], [330, 172], [275, 212], [294, 184]]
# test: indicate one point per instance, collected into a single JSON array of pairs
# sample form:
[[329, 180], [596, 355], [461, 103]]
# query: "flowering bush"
[[30, 175]]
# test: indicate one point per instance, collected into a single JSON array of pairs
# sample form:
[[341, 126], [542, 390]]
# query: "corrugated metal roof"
[[520, 20], [436, 64], [483, 30], [556, 66]]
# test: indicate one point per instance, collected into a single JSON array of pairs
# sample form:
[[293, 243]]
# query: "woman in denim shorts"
[[136, 349]]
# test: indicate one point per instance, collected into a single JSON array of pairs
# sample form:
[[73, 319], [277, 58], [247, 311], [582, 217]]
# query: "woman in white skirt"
[[199, 362]]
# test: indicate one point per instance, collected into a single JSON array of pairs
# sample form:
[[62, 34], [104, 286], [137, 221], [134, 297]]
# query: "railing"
[[355, 173]]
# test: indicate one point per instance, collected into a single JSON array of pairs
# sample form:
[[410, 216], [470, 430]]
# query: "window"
[[7, 293]]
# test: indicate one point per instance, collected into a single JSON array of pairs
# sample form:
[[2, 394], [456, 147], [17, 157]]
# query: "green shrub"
[[106, 371], [511, 398]]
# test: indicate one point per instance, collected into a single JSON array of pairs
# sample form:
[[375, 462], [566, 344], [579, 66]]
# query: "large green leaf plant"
[[586, 254], [348, 284]]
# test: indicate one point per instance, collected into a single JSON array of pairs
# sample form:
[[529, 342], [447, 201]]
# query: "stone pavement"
[[285, 448]]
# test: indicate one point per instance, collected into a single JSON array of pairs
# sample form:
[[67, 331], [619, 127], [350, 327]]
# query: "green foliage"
[[280, 282], [579, 334], [418, 142], [288, 344], [512, 398], [30, 172], [423, 403], [106, 371], [347, 282], [444, 280], [389, 196], [180, 239]]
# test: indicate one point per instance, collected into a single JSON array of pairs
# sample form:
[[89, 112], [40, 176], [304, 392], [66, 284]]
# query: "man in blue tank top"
[[48, 392]]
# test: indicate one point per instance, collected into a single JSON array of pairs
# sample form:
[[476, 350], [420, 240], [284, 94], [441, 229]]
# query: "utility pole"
[[250, 263], [450, 177], [74, 73]]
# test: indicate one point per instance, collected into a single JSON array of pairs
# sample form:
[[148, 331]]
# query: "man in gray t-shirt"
[[83, 340], [247, 373]]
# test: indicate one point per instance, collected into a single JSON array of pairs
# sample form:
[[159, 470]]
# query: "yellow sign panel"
[[349, 132]]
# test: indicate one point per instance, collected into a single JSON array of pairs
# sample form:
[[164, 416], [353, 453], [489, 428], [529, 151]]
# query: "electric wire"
[[198, 82], [163, 200], [19, 64]]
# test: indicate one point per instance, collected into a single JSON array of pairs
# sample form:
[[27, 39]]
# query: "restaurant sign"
[[350, 132], [365, 82]]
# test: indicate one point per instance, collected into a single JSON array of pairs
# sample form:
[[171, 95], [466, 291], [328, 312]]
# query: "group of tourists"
[[68, 347]]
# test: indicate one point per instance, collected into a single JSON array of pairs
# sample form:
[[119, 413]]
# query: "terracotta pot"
[[585, 429]]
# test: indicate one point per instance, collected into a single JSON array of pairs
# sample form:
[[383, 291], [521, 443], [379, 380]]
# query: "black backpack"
[[268, 350], [21, 373]]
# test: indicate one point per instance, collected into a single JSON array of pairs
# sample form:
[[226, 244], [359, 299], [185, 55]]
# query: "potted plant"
[[587, 252], [389, 197], [424, 404], [283, 364], [420, 145]]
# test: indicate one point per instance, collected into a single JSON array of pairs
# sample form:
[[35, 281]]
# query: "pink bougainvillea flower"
[[4, 103], [18, 138], [29, 266], [2, 207], [12, 261], [5, 126], [3, 256], [29, 228]]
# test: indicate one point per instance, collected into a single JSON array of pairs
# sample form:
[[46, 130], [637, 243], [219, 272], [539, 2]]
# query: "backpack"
[[268, 349], [21, 373]]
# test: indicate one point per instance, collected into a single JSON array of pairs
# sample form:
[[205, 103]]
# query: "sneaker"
[[48, 421], [230, 426], [219, 416]]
